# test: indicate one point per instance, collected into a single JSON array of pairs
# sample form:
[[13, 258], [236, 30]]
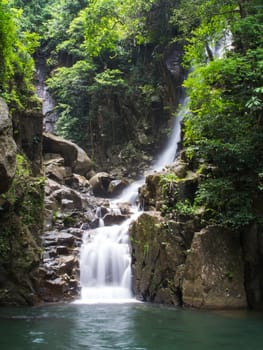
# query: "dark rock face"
[[214, 271], [7, 149], [20, 246], [171, 266], [158, 255], [252, 241], [29, 127], [21, 208]]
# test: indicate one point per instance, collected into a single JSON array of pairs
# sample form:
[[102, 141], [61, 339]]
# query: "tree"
[[17, 66]]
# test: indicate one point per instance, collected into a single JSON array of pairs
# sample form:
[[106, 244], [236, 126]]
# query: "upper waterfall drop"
[[167, 157]]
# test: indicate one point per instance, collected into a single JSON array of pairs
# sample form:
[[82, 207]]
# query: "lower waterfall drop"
[[105, 265], [105, 259]]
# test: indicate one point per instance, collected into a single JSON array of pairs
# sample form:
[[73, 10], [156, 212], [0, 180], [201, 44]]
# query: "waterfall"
[[105, 259], [105, 265], [168, 155]]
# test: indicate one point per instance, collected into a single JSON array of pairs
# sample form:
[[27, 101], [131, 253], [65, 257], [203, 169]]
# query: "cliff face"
[[178, 260], [21, 207]]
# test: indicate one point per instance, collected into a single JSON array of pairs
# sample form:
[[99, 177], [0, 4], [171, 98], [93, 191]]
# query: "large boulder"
[[7, 149], [74, 156], [214, 271]]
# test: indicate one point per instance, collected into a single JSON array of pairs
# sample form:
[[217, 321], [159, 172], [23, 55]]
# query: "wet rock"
[[7, 149], [60, 266], [95, 223], [55, 170], [100, 184], [116, 187], [62, 250], [179, 168], [110, 219], [78, 182], [58, 238], [59, 174], [51, 186], [86, 226], [66, 264], [67, 198], [53, 290]]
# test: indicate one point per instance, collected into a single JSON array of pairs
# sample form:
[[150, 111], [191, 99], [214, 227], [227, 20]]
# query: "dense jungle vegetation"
[[105, 62]]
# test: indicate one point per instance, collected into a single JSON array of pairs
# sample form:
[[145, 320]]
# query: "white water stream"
[[105, 259]]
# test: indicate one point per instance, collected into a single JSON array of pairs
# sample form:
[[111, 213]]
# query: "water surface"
[[127, 326]]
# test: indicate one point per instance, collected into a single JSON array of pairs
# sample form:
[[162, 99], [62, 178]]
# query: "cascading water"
[[105, 265], [105, 260]]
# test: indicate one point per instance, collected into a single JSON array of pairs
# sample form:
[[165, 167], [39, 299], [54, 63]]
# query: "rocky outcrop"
[[184, 182], [214, 271], [60, 268], [171, 267], [7, 149], [177, 262], [158, 257], [74, 156]]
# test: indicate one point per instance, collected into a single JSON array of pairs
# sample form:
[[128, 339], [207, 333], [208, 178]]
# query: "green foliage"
[[17, 66], [224, 125], [224, 203], [185, 208], [168, 183], [103, 106], [69, 86]]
